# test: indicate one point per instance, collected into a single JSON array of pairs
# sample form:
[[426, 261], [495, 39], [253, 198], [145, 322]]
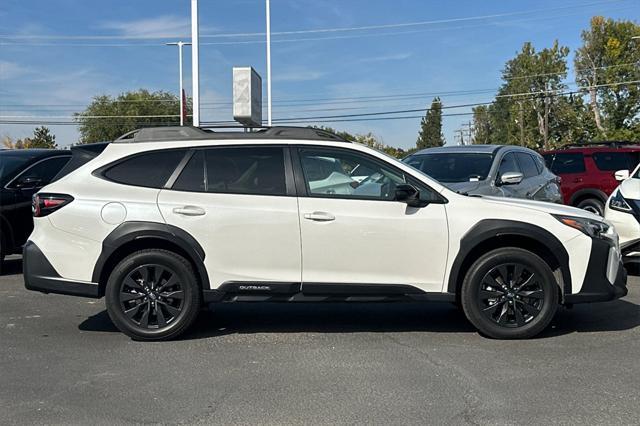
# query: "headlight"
[[589, 227], [617, 202]]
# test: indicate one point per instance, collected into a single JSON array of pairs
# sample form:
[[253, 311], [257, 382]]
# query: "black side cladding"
[[135, 231], [40, 275], [492, 228]]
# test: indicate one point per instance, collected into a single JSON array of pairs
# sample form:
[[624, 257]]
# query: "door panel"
[[233, 201], [374, 242], [245, 237], [353, 232]]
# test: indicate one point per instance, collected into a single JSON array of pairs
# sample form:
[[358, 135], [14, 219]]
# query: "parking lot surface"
[[63, 361]]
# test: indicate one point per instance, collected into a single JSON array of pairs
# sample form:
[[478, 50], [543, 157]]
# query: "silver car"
[[498, 170]]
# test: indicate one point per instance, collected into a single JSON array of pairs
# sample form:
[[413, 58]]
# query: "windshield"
[[9, 164], [453, 167]]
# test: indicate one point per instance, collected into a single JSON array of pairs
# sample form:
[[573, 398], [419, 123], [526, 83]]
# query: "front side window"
[[344, 174], [235, 170], [453, 167], [527, 164], [149, 169]]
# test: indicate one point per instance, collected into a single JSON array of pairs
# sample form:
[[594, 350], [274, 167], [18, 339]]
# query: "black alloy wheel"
[[151, 296], [511, 295]]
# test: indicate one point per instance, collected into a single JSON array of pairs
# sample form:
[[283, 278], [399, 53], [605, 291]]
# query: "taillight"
[[44, 204]]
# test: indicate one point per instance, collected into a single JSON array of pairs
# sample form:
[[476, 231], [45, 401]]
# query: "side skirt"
[[315, 292]]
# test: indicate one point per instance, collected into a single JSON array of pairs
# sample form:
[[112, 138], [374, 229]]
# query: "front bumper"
[[40, 275], [606, 277]]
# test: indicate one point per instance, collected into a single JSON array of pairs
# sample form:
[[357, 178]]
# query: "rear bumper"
[[40, 276], [606, 277]]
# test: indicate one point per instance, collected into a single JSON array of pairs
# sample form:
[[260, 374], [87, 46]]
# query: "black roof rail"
[[178, 133], [612, 144]]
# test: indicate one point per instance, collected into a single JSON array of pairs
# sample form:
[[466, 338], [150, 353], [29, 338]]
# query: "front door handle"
[[320, 216], [189, 211]]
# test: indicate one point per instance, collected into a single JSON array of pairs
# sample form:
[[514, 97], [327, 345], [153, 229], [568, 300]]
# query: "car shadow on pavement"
[[11, 267], [246, 318]]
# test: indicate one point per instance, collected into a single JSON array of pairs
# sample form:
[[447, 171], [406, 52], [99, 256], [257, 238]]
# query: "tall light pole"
[[268, 13], [180, 44], [195, 64]]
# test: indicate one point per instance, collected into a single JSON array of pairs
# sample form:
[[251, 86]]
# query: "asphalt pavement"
[[62, 361]]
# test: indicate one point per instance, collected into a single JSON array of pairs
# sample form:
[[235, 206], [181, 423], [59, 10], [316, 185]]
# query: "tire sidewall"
[[595, 203], [473, 281], [191, 302]]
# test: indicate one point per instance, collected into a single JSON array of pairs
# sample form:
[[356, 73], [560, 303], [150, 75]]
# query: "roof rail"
[[179, 133], [612, 144]]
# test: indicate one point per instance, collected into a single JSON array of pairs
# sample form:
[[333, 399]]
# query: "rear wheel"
[[592, 205], [153, 295], [510, 293]]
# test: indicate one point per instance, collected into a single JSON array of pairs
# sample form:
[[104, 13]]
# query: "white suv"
[[166, 220], [623, 211]]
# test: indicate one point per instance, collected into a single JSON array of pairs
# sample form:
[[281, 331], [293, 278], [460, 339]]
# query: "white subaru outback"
[[164, 221]]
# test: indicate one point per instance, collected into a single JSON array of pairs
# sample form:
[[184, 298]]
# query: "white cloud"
[[385, 58], [298, 74], [9, 70], [159, 27]]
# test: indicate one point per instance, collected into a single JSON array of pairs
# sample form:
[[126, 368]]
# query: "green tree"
[[108, 118], [533, 81], [368, 139], [607, 59], [431, 127], [42, 138], [482, 125], [530, 109]]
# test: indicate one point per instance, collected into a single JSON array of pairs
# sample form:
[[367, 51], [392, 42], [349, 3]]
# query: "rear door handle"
[[320, 216], [189, 211]]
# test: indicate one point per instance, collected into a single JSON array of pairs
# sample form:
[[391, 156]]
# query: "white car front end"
[[623, 211]]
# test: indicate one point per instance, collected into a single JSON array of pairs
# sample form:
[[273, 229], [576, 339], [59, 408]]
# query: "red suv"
[[587, 171]]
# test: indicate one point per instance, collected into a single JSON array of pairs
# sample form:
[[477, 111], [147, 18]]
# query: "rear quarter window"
[[612, 161], [150, 169], [565, 163]]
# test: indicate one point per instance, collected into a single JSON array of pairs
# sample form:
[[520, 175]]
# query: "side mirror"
[[410, 195], [28, 182], [510, 178], [621, 175]]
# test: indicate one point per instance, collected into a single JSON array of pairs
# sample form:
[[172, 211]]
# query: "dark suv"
[[588, 171], [22, 173]]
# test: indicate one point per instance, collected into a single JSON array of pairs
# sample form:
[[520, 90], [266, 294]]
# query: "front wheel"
[[592, 205], [510, 293], [153, 295]]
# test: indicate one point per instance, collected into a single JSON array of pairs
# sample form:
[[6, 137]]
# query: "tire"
[[2, 253], [520, 309], [592, 205], [153, 295]]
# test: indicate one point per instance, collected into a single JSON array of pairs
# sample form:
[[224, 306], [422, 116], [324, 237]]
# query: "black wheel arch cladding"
[[503, 232], [138, 231]]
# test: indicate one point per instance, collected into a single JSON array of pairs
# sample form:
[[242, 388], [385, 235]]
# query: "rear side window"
[[246, 170], [527, 164], [565, 163], [150, 169], [44, 170], [612, 161]]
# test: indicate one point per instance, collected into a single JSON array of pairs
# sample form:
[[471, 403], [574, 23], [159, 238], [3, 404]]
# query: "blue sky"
[[55, 55]]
